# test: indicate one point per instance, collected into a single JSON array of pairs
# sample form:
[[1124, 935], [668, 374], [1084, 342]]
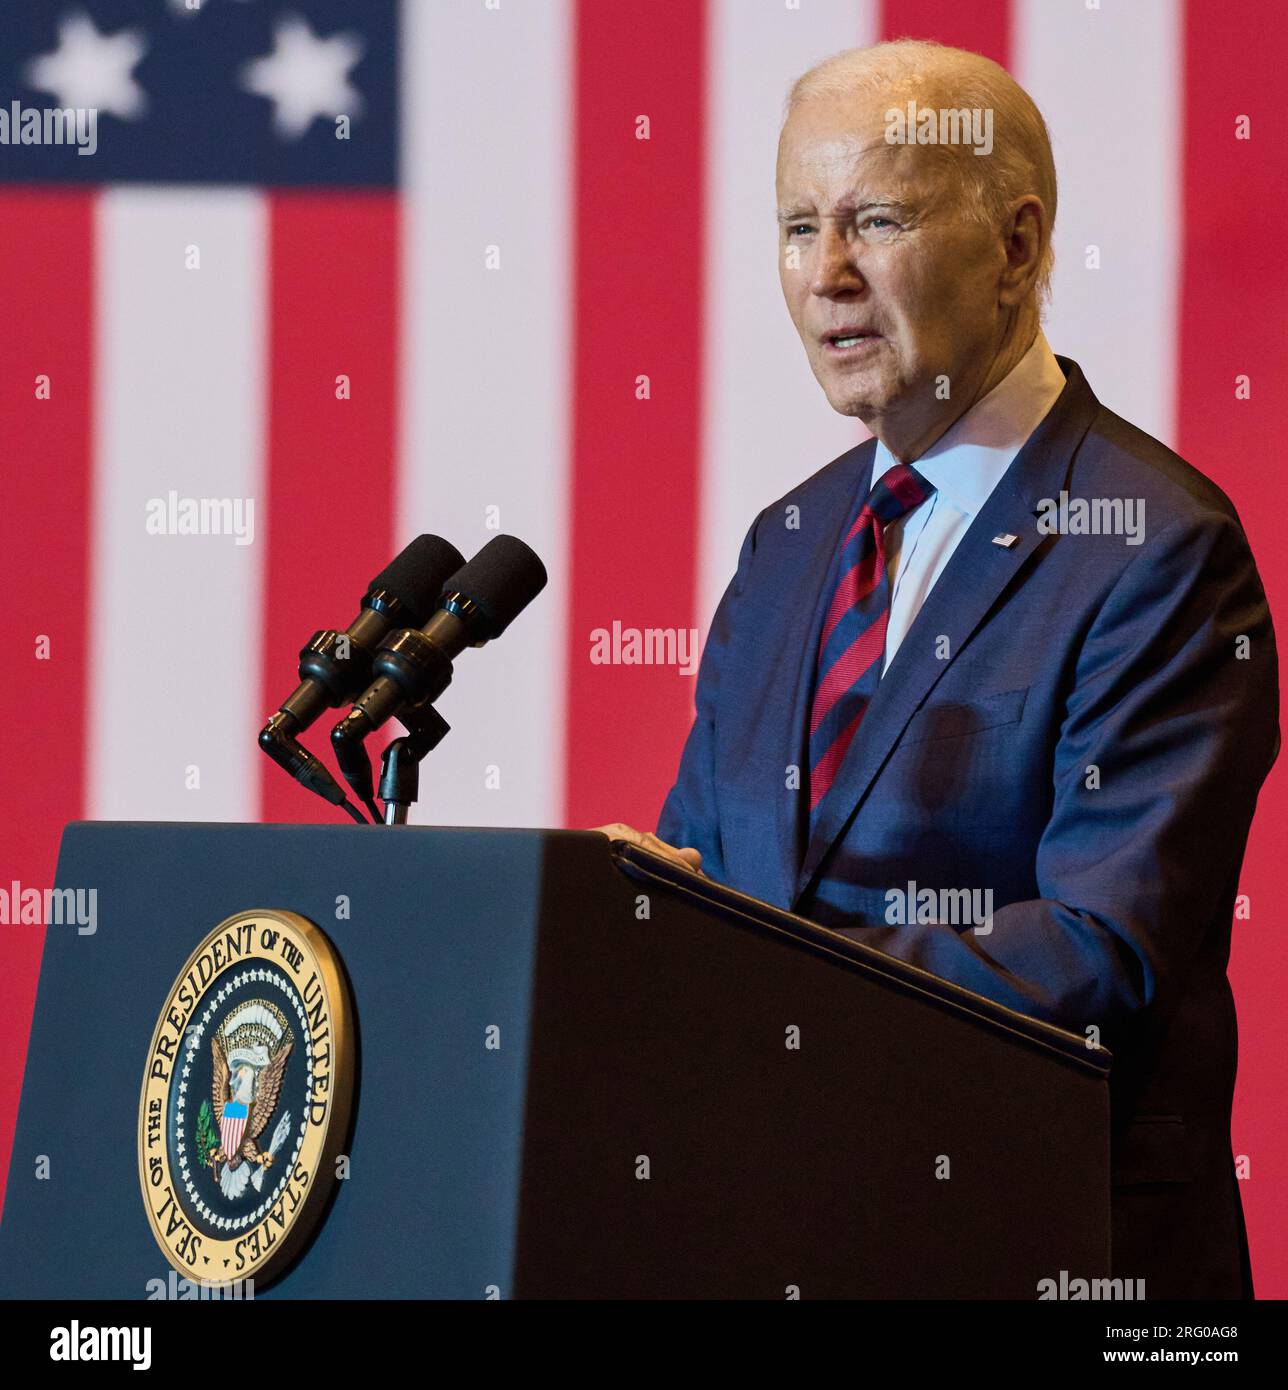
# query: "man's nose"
[[834, 269]]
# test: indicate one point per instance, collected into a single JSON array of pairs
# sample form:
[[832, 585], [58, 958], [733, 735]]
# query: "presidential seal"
[[245, 1103]]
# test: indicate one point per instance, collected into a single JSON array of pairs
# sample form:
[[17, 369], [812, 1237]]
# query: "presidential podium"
[[580, 1072]]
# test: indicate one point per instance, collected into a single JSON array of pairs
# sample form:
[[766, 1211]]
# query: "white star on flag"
[[90, 70], [305, 77]]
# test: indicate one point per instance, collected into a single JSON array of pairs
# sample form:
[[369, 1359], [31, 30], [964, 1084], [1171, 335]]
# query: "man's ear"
[[1024, 237]]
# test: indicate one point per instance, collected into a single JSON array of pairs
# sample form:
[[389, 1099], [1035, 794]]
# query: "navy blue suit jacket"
[[1079, 726]]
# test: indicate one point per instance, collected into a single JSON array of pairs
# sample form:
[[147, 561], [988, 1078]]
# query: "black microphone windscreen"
[[503, 578], [416, 576]]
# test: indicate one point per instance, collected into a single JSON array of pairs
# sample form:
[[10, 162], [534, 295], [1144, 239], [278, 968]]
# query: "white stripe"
[[179, 385], [766, 422], [486, 161], [1108, 82]]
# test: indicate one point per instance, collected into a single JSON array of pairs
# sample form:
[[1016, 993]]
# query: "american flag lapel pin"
[[1005, 540]]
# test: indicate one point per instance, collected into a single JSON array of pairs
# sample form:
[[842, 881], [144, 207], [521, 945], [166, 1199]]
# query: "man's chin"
[[857, 403], [856, 394]]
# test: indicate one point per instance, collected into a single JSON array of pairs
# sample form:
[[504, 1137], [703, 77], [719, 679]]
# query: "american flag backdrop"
[[533, 290]]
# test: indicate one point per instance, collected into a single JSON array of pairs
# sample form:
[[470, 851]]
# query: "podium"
[[581, 1072]]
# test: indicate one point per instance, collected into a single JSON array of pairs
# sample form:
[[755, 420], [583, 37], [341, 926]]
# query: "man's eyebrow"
[[893, 204]]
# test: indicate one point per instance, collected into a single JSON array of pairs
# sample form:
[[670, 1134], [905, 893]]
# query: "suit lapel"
[[973, 580]]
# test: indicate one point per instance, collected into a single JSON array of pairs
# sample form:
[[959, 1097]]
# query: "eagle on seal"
[[253, 1092]]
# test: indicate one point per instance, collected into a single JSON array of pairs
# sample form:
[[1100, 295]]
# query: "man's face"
[[884, 252]]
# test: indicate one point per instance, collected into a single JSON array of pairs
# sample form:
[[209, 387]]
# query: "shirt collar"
[[968, 460]]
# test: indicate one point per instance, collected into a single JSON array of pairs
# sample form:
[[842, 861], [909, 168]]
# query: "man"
[[1012, 650]]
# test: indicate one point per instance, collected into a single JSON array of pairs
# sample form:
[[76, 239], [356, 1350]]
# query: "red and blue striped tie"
[[852, 643]]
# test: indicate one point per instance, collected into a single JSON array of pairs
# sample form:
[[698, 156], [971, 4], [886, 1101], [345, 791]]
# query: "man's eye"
[[873, 221], [799, 227]]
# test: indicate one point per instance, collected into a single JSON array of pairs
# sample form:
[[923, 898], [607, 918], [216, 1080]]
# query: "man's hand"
[[686, 858]]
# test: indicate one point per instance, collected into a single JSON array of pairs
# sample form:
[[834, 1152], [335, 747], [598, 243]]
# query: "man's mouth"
[[847, 339]]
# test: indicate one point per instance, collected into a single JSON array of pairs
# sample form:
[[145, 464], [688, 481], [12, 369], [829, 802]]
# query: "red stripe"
[[638, 215], [854, 586], [859, 581], [983, 26], [866, 648], [333, 267], [862, 574], [232, 1134], [46, 287], [1234, 305], [824, 772]]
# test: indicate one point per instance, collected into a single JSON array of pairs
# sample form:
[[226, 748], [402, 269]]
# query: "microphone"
[[335, 665], [413, 667]]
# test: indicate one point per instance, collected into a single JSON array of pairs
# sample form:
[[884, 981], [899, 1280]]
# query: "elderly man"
[[1013, 650]]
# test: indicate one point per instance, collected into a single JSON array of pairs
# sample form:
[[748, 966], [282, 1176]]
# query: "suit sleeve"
[[1173, 711], [688, 818]]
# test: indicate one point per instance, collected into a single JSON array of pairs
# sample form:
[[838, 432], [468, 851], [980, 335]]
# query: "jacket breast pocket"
[[953, 719]]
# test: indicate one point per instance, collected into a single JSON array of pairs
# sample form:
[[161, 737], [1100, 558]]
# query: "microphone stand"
[[400, 762]]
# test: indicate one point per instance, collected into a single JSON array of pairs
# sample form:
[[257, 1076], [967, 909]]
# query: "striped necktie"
[[852, 643]]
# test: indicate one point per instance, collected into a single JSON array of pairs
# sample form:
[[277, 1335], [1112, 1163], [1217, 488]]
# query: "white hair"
[[1021, 161]]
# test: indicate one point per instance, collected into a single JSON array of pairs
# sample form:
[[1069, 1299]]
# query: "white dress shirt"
[[965, 464]]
